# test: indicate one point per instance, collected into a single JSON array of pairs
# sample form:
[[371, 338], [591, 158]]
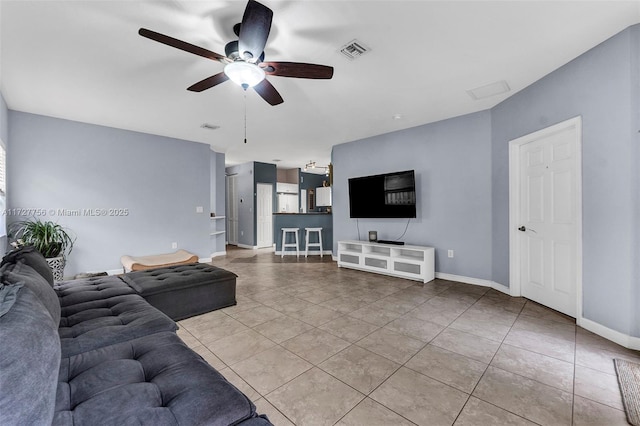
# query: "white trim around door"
[[515, 285]]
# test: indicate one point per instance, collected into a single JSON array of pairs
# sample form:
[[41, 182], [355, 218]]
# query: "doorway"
[[545, 212]]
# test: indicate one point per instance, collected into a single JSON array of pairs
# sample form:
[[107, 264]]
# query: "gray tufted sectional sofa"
[[94, 352]]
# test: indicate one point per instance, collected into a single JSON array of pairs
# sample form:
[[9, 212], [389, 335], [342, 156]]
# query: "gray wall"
[[4, 120], [596, 86], [452, 162], [59, 164], [220, 197], [463, 162], [4, 136]]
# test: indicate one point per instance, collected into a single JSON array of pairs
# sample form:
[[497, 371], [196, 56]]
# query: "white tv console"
[[412, 262]]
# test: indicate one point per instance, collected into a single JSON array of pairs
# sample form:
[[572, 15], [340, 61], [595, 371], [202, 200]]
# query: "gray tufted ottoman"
[[182, 291]]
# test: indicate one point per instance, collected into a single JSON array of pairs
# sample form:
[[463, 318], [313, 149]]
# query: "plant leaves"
[[49, 238]]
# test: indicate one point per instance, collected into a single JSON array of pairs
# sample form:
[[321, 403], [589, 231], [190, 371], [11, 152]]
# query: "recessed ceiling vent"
[[354, 49], [493, 89], [210, 126]]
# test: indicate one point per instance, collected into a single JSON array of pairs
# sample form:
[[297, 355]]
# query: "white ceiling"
[[84, 61]]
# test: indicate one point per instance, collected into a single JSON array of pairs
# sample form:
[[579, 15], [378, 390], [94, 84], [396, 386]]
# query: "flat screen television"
[[390, 195]]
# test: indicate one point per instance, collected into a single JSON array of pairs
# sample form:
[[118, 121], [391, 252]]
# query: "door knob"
[[522, 228]]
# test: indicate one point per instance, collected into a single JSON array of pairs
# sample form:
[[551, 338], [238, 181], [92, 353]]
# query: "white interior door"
[[549, 214], [232, 210], [264, 215]]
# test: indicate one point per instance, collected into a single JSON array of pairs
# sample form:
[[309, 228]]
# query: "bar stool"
[[285, 231], [307, 244]]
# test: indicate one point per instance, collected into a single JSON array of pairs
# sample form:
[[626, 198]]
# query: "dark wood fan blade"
[[254, 30], [297, 69], [179, 44], [268, 92], [209, 82]]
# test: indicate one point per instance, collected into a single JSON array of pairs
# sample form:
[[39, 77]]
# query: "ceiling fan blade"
[[208, 82], [297, 69], [268, 92], [254, 30], [179, 44]]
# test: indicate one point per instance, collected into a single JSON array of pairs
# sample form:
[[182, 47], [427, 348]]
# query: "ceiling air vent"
[[354, 49], [493, 89], [210, 126]]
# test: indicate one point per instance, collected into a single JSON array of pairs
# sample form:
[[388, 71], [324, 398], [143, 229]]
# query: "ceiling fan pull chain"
[[245, 116]]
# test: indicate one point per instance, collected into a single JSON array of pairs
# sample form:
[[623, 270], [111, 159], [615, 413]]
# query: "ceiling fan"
[[244, 58]]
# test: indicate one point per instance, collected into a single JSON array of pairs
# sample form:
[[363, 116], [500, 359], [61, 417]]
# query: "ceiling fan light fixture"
[[244, 74]]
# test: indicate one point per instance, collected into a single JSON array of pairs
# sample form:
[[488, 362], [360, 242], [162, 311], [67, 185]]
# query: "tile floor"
[[312, 344]]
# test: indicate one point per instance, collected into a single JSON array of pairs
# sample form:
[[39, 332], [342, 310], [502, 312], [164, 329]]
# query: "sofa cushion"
[[21, 273], [8, 296], [29, 362], [87, 289], [102, 311], [31, 257], [163, 280], [183, 291], [154, 380]]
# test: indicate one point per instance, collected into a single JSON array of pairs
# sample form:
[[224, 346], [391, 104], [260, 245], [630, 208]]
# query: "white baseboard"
[[475, 281], [462, 279], [311, 253], [622, 339], [287, 253], [204, 260], [245, 246], [501, 288], [219, 253], [114, 271]]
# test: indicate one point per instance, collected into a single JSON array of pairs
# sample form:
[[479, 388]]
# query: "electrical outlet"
[[174, 245], [450, 253], [199, 209]]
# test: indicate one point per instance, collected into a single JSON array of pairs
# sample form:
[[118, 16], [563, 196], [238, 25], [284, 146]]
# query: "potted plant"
[[49, 238]]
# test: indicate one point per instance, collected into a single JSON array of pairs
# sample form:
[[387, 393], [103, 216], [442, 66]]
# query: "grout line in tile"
[[276, 408], [376, 402], [340, 286]]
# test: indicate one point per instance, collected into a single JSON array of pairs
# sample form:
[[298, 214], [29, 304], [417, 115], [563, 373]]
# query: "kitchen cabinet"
[[323, 196], [286, 188]]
